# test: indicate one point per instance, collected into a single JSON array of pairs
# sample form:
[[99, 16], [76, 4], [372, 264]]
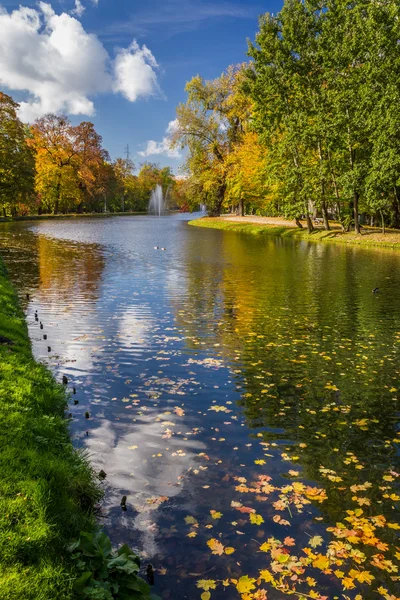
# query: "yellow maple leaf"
[[215, 514], [245, 584], [256, 519], [205, 596], [348, 583], [207, 584], [266, 576], [364, 577], [321, 562], [229, 550]]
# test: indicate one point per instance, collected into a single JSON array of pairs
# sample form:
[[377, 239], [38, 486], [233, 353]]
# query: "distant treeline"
[[311, 125], [56, 167]]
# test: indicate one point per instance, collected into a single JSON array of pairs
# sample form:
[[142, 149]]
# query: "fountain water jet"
[[157, 202]]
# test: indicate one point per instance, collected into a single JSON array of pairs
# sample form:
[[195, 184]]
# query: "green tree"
[[16, 159]]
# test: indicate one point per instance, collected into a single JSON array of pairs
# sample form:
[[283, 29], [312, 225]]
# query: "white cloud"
[[61, 66], [135, 73], [172, 126], [163, 147], [79, 8]]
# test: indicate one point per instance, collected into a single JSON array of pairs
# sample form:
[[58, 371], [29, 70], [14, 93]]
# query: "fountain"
[[157, 203]]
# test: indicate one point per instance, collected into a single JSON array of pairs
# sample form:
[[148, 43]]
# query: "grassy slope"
[[47, 490], [367, 238]]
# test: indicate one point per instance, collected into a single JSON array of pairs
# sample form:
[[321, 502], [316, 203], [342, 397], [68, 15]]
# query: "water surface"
[[208, 369]]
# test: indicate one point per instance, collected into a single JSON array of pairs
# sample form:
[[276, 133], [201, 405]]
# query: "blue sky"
[[184, 38]]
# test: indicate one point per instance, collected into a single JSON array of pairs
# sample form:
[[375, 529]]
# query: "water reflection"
[[224, 359]]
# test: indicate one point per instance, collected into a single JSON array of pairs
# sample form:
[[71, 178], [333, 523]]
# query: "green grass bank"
[[47, 489], [368, 238]]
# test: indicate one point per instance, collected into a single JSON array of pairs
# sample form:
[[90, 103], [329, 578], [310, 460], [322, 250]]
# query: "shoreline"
[[48, 490], [70, 216], [370, 238]]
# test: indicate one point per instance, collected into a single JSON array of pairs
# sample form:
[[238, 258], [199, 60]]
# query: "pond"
[[242, 392]]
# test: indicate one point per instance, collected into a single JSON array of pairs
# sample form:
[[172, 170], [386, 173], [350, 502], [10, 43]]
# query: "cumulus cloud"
[[61, 66], [138, 60], [163, 147]]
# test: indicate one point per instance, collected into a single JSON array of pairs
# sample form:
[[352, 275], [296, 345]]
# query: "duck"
[[163, 249], [156, 247], [375, 290]]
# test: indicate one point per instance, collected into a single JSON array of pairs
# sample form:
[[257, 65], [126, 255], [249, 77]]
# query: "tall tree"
[[209, 124], [16, 159]]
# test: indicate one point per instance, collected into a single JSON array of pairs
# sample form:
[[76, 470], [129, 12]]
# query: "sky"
[[121, 64]]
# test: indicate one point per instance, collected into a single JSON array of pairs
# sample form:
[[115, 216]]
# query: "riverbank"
[[47, 490], [280, 227], [70, 216]]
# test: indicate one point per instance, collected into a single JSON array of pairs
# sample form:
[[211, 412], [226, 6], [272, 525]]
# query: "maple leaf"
[[245, 584], [266, 576], [205, 596], [316, 541], [215, 546], [256, 519], [265, 547], [192, 534], [215, 514], [288, 541], [260, 461], [207, 584], [348, 583], [229, 550], [363, 576], [321, 562]]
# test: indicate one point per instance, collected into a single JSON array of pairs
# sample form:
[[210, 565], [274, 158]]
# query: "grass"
[[369, 237], [47, 489]]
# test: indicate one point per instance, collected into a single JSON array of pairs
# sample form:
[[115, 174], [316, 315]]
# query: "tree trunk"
[[323, 203], [4, 212], [356, 217], [396, 208], [310, 226], [325, 215], [298, 223], [241, 208], [216, 212], [383, 223]]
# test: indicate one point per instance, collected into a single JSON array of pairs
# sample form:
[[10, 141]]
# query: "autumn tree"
[[209, 124], [68, 162]]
